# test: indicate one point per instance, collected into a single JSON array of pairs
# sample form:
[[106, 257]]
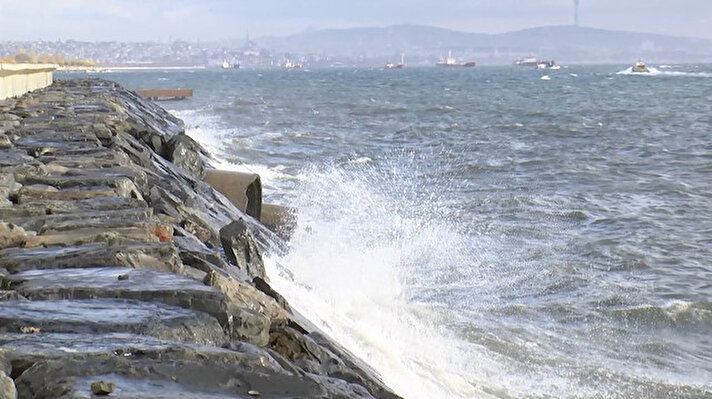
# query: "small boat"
[[545, 77], [288, 64], [640, 67], [546, 64], [452, 62], [227, 65], [390, 65]]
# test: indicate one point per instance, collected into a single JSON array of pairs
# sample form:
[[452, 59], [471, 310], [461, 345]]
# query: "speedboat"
[[640, 67]]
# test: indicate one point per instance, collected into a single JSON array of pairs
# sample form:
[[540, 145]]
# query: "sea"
[[484, 232]]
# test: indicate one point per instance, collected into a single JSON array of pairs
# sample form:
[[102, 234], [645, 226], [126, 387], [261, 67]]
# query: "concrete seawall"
[[18, 79], [122, 271]]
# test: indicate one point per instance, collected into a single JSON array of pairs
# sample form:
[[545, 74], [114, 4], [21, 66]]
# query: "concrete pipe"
[[278, 218], [242, 189]]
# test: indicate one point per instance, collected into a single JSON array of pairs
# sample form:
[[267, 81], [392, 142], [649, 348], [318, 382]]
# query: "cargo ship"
[[452, 62]]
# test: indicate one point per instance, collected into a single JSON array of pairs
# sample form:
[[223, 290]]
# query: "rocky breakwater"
[[123, 274]]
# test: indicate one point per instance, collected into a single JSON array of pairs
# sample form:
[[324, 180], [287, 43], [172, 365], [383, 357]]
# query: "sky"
[[164, 20]]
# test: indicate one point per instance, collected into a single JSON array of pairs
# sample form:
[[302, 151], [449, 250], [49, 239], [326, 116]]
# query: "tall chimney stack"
[[576, 7]]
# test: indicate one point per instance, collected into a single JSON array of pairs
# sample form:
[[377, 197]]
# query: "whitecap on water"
[[658, 72]]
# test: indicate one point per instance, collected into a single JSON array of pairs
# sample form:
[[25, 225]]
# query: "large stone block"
[[244, 190]]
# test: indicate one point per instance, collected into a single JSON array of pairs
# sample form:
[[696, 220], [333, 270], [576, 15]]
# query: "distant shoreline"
[[126, 68]]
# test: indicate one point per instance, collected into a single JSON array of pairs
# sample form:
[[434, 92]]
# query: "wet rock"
[[166, 376], [243, 295], [7, 125], [65, 223], [134, 150], [196, 254], [114, 236], [100, 159], [23, 350], [102, 132], [30, 211], [249, 325], [109, 282], [53, 143], [49, 217], [241, 249], [15, 157], [7, 387], [200, 230], [263, 286], [11, 295], [184, 152], [5, 142], [107, 315], [8, 189], [100, 204], [13, 236], [147, 256], [112, 177], [121, 187], [5, 366], [314, 353], [102, 388]]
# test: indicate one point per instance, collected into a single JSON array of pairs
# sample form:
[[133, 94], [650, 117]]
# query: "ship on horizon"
[[289, 64], [228, 65], [452, 62], [390, 65], [533, 61]]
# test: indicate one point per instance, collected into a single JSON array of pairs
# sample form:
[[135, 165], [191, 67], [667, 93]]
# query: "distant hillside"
[[373, 41], [423, 44]]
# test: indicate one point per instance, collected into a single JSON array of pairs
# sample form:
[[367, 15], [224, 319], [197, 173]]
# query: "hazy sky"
[[138, 20]]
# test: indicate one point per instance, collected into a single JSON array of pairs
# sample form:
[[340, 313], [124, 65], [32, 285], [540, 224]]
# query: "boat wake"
[[658, 72]]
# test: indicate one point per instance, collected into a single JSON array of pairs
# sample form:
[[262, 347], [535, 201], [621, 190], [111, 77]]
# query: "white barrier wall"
[[18, 79]]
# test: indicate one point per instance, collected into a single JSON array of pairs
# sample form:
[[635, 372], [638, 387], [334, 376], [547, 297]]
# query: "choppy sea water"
[[483, 232]]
